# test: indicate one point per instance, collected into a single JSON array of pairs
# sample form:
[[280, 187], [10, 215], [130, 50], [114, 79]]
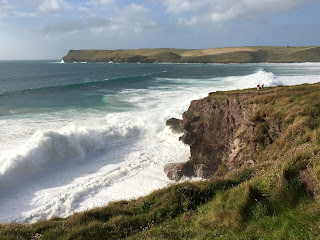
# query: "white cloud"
[[193, 12], [131, 18], [3, 8], [106, 2], [180, 6], [3, 3], [34, 8], [51, 6], [102, 3], [18, 14], [60, 27]]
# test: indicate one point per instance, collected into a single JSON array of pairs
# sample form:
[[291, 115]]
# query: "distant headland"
[[284, 54]]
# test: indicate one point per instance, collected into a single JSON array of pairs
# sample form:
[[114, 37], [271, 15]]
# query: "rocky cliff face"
[[223, 130]]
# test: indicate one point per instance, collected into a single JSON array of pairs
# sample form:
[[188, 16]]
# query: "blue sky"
[[47, 29]]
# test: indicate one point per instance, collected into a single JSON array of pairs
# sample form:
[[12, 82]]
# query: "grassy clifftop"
[[213, 55], [277, 197]]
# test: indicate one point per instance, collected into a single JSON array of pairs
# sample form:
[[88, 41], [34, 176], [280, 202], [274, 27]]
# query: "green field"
[[214, 55], [276, 198]]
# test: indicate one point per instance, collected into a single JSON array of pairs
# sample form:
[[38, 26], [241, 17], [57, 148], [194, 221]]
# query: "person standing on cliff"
[[258, 86]]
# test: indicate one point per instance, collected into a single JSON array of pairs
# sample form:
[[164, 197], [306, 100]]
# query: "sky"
[[48, 29]]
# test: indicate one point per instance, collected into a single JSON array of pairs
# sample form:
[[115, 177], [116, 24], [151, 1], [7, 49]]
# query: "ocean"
[[75, 136]]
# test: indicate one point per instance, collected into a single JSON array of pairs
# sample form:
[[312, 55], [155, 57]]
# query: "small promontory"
[[231, 130], [221, 130]]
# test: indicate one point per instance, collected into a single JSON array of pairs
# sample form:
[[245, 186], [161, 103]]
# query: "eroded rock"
[[218, 128]]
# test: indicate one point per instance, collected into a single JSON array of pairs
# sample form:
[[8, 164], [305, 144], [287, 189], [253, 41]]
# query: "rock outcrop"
[[222, 129], [176, 125]]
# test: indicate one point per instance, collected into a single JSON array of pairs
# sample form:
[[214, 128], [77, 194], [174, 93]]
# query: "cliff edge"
[[231, 130], [217, 128]]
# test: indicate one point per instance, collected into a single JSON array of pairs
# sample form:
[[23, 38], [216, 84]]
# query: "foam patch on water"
[[52, 147], [78, 168], [94, 164]]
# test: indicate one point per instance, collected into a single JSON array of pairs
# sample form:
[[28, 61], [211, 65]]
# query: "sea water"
[[75, 136]]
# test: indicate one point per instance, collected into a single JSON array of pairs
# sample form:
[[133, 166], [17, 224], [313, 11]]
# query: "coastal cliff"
[[221, 131], [216, 128], [259, 149], [227, 131], [212, 55]]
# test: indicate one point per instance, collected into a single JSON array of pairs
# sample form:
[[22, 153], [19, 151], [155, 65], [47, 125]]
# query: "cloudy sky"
[[47, 29]]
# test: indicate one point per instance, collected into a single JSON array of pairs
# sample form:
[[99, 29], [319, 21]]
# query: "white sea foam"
[[49, 148], [233, 82], [58, 62], [261, 76], [252, 80], [117, 158], [78, 167]]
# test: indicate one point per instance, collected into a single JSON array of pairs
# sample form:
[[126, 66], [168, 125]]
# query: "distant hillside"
[[213, 55]]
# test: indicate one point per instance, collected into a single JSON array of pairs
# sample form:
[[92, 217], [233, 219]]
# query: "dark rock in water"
[[175, 125], [175, 171]]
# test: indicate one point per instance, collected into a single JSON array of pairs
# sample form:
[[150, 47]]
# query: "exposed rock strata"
[[223, 128]]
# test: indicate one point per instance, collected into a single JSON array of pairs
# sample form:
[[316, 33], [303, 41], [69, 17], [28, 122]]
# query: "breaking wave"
[[48, 148], [252, 80]]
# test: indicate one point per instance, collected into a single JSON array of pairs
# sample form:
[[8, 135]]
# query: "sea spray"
[[252, 80], [47, 148]]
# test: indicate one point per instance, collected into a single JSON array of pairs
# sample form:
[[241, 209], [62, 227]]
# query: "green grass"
[[269, 200]]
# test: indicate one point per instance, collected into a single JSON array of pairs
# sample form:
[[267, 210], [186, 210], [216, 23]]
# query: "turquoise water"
[[79, 135]]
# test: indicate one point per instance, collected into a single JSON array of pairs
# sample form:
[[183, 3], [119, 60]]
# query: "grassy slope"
[[214, 55], [277, 198]]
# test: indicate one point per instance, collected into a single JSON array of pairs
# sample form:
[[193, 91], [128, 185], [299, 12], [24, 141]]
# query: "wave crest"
[[252, 80], [51, 148]]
